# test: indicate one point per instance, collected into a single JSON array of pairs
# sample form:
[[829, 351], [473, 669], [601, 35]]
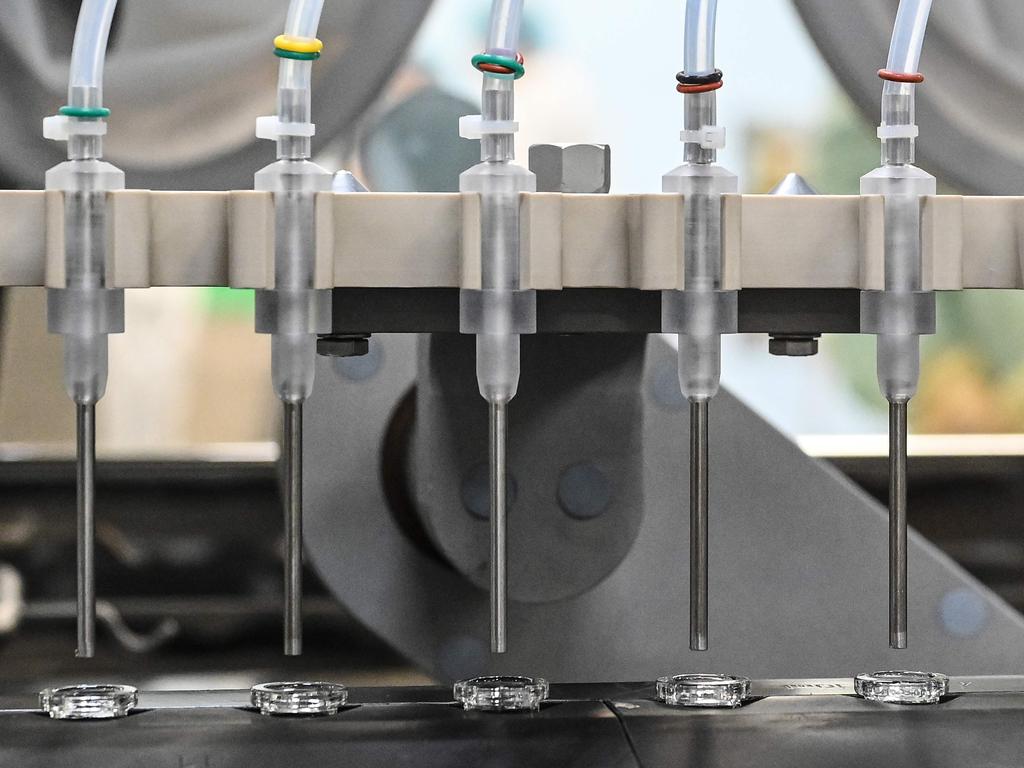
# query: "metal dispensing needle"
[[699, 525], [898, 525], [499, 526], [86, 536], [293, 529]]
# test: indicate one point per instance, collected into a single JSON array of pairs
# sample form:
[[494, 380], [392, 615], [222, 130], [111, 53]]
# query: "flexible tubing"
[[506, 22], [85, 83], [699, 49], [303, 21], [908, 36]]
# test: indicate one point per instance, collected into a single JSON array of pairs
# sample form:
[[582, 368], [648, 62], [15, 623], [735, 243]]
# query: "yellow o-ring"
[[298, 44]]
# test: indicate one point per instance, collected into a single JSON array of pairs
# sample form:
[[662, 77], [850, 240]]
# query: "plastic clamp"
[[475, 127], [62, 127], [887, 132], [707, 136], [271, 128]]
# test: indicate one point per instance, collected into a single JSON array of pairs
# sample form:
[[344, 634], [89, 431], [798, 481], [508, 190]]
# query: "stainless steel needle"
[[293, 529], [86, 538], [698, 525], [499, 526], [898, 525]]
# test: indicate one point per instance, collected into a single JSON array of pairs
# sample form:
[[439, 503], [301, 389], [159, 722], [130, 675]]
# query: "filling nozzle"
[[499, 311], [901, 313], [294, 311], [85, 310], [700, 311]]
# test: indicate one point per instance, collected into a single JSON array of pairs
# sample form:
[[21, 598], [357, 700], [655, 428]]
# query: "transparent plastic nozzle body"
[[293, 312], [500, 311], [85, 310], [701, 311], [903, 312]]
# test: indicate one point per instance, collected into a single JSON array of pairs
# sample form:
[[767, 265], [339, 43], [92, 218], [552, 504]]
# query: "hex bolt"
[[346, 345], [785, 345], [581, 169]]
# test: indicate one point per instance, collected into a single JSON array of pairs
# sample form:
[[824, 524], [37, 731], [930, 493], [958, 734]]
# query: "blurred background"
[[190, 380]]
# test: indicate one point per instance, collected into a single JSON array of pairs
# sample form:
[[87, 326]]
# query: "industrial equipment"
[[543, 578]]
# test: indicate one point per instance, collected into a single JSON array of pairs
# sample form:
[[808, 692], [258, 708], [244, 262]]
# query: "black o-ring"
[[708, 79]]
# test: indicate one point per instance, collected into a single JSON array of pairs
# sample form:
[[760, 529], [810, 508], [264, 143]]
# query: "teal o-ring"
[[85, 113], [518, 70], [296, 55]]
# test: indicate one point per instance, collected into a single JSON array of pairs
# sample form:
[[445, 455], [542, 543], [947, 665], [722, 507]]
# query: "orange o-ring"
[[496, 69], [913, 78], [703, 88]]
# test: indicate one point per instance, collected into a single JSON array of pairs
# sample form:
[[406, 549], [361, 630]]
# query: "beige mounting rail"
[[568, 241]]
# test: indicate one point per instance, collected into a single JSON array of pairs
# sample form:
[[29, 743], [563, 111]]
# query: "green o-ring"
[[85, 113], [283, 54], [502, 61]]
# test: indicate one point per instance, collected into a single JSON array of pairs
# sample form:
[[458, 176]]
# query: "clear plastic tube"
[[499, 182], [293, 311], [506, 22], [303, 18], [695, 312], [303, 21], [699, 54], [908, 36], [85, 84], [898, 99]]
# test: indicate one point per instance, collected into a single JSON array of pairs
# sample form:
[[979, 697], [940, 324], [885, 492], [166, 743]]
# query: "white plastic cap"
[[887, 132], [475, 127], [62, 128], [271, 128], [708, 137]]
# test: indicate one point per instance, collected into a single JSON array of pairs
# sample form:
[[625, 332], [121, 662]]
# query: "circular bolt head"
[[584, 491], [299, 698], [502, 694], [902, 687], [88, 702], [712, 691]]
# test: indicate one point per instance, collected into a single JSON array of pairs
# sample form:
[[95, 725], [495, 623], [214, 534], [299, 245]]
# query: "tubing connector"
[[62, 128], [705, 137], [271, 128], [474, 127]]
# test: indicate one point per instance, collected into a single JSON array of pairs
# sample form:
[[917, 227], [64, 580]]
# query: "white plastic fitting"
[[474, 127], [62, 128], [708, 137], [888, 132], [271, 128]]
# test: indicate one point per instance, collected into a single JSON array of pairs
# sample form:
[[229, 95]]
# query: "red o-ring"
[[914, 78], [704, 88], [496, 69]]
